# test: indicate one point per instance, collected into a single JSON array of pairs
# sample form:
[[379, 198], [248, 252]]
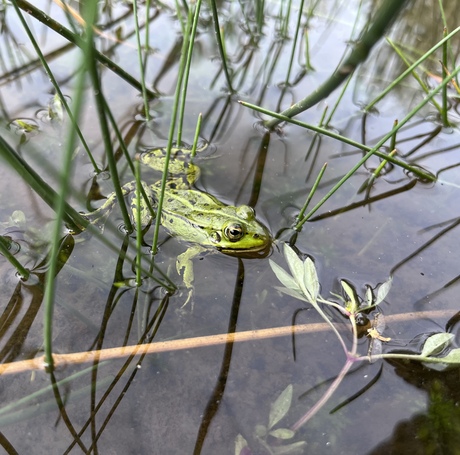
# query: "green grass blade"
[[371, 151], [416, 170], [383, 18], [78, 41], [188, 63], [5, 251], [53, 80], [310, 195], [445, 104], [101, 107], [223, 56], [141, 62], [164, 177], [51, 273], [414, 73], [411, 69], [294, 43]]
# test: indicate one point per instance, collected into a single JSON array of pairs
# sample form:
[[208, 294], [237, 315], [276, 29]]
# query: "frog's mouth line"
[[262, 252]]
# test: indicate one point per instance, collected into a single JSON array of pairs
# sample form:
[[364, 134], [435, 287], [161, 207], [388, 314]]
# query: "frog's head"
[[241, 234]]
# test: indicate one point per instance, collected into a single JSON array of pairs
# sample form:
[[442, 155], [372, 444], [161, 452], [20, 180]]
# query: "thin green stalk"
[[164, 177], [414, 73], [393, 138], [376, 147], [285, 17], [347, 82], [138, 222], [450, 52], [141, 62], [147, 26], [380, 167], [370, 181], [197, 135], [223, 56], [336, 104], [129, 161], [5, 251], [260, 9], [78, 41], [101, 107], [52, 79], [312, 192], [385, 15], [308, 64], [417, 171], [188, 63], [411, 69], [445, 104], [294, 43], [180, 17], [60, 201]]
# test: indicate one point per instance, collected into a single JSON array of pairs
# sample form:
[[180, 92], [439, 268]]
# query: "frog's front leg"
[[99, 216], [184, 262]]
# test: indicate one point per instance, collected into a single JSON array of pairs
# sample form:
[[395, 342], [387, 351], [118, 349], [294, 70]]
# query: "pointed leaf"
[[240, 444], [369, 296], [283, 276], [292, 293], [311, 280], [383, 291], [453, 358], [351, 296], [280, 406], [282, 433], [436, 343], [449, 361], [295, 263]]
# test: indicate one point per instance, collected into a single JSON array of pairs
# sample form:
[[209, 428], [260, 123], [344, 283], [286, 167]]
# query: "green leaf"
[[240, 444], [282, 433], [453, 357], [369, 296], [383, 291], [295, 264], [353, 304], [283, 276], [311, 280], [292, 293], [450, 360], [436, 343], [280, 406]]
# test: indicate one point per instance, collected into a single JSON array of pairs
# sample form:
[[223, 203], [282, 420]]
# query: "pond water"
[[208, 399]]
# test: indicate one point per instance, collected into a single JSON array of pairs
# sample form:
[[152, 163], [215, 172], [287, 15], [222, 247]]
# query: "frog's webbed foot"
[[187, 300], [184, 266], [99, 216]]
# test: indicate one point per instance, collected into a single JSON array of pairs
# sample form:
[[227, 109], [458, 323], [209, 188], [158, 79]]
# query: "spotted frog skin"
[[193, 216]]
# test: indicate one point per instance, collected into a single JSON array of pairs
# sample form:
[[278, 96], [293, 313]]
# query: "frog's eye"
[[234, 232]]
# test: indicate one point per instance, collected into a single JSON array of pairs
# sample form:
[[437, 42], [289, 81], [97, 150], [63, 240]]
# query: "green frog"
[[192, 215]]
